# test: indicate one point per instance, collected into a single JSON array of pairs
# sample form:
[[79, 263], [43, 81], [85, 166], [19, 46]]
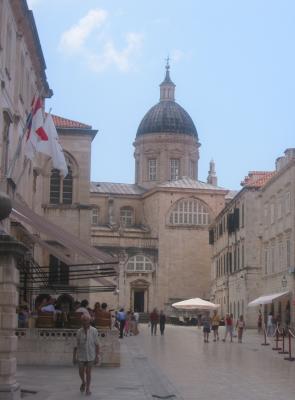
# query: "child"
[[240, 326]]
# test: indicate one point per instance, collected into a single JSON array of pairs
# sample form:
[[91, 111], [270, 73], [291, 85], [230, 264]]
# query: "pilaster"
[[10, 251]]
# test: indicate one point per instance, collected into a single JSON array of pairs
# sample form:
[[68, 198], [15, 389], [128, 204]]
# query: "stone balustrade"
[[55, 347]]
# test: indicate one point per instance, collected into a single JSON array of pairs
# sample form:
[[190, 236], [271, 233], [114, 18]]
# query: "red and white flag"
[[52, 147], [35, 131]]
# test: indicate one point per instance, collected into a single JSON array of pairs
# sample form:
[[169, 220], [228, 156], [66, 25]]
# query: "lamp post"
[[284, 281]]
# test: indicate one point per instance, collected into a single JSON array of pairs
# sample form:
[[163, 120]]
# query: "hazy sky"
[[232, 62]]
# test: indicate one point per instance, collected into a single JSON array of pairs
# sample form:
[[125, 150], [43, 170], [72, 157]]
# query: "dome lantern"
[[167, 87]]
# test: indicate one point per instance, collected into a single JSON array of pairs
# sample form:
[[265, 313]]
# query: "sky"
[[233, 64]]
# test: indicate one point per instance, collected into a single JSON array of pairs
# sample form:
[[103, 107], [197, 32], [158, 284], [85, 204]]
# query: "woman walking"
[[240, 326], [228, 327]]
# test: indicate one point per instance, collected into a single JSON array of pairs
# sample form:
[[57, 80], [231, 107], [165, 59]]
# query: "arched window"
[[139, 263], [61, 190], [190, 212], [127, 216]]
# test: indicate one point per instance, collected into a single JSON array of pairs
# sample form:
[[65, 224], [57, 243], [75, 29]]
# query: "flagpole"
[[27, 124]]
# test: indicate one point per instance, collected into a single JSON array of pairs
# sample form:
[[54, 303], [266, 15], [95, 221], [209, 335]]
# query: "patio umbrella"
[[195, 304]]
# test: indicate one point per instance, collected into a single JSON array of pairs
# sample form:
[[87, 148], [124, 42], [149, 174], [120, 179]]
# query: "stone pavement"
[[178, 366], [223, 371], [136, 379]]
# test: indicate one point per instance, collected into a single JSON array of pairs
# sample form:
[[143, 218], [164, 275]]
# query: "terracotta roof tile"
[[257, 178], [61, 122]]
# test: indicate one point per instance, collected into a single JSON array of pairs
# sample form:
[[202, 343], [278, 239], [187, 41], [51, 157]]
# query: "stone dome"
[[167, 117]]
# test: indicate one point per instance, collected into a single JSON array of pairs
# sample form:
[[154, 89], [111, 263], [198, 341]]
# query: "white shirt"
[[48, 308], [86, 344]]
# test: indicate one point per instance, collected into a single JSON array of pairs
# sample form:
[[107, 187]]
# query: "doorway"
[[138, 304]]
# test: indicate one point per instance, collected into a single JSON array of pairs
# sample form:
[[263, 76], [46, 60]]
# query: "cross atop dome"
[[167, 87]]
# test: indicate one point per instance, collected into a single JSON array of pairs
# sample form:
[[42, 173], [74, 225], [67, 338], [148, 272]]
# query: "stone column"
[[10, 251]]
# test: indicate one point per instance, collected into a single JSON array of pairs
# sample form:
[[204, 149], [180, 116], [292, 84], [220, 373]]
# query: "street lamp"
[[284, 281]]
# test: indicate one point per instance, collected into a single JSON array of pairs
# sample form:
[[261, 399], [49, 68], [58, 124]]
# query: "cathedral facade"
[[158, 226]]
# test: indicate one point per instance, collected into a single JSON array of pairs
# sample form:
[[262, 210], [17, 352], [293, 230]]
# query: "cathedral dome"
[[167, 116]]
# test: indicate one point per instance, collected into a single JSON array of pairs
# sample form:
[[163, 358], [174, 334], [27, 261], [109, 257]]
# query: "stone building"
[[235, 268], [277, 238], [158, 227], [253, 246]]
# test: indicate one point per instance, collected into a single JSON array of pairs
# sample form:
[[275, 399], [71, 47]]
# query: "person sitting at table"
[[103, 318], [84, 308]]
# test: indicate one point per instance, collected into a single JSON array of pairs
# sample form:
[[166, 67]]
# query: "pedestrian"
[[154, 319], [228, 327], [121, 318], [162, 319], [215, 325], [259, 322], [270, 324], [199, 320], [136, 316], [206, 326], [86, 352], [84, 308], [127, 329], [240, 326]]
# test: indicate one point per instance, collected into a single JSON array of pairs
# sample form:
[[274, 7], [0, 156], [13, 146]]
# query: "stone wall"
[[54, 347]]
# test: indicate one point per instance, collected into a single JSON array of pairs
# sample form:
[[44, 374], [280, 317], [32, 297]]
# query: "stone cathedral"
[[158, 226]]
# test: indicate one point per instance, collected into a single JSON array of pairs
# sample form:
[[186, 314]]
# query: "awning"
[[73, 244], [267, 299]]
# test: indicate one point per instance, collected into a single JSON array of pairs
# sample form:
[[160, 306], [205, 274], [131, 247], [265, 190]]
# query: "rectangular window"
[[273, 258], [22, 77], [279, 209], [280, 258], [8, 49], [243, 215], [265, 260], [95, 216], [174, 169], [265, 214], [272, 213], [243, 256], [288, 253], [288, 202], [152, 169]]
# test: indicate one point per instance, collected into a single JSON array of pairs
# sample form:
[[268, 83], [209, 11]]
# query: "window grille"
[[189, 212], [127, 216], [152, 169], [174, 169], [95, 216], [139, 263], [61, 190]]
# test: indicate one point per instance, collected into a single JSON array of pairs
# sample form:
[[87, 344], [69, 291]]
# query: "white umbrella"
[[195, 304]]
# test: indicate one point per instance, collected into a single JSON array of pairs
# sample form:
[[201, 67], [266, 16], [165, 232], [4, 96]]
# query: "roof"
[[188, 183], [116, 188], [257, 179], [231, 194], [65, 123], [167, 117]]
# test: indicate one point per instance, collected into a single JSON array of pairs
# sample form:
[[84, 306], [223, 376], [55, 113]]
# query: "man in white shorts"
[[86, 353]]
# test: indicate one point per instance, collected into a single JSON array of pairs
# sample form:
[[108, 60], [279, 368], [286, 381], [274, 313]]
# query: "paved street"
[[177, 366]]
